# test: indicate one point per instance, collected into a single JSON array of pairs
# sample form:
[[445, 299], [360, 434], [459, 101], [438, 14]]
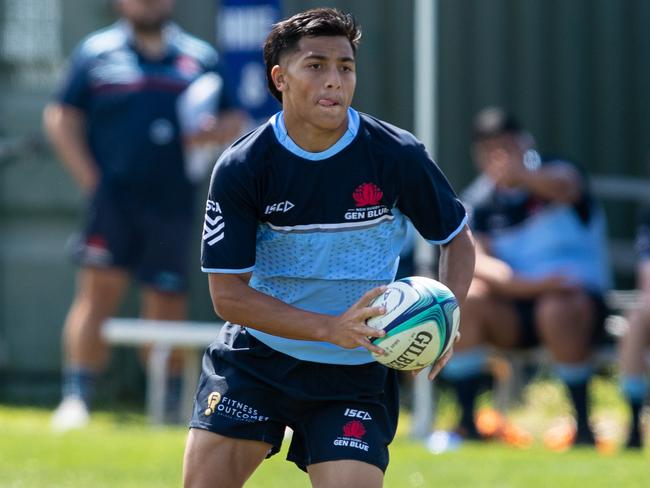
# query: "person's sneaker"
[[560, 437], [564, 436], [516, 436], [72, 413], [491, 424], [442, 441]]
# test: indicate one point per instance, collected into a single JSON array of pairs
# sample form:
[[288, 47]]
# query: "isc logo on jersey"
[[279, 207], [213, 227]]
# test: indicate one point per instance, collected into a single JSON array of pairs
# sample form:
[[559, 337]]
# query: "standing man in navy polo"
[[115, 126]]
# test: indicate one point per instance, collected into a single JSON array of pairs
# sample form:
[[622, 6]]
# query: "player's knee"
[[639, 325], [564, 310], [478, 290]]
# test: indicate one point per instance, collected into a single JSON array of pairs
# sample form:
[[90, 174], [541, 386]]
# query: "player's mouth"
[[328, 102]]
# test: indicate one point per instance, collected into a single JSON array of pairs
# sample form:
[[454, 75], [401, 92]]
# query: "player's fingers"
[[369, 296], [439, 364], [371, 347], [369, 312], [367, 331]]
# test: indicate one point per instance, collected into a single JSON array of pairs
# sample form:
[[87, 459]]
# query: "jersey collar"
[[169, 34], [280, 131]]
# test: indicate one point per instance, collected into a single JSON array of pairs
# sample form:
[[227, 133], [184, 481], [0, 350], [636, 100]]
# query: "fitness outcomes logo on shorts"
[[213, 227], [213, 400], [233, 409]]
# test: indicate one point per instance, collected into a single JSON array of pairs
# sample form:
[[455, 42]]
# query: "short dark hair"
[[493, 122], [286, 34]]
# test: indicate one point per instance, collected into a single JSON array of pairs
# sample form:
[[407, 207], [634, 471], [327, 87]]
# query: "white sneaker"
[[72, 413]]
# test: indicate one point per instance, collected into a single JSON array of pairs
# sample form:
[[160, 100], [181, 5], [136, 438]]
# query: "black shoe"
[[634, 441], [584, 437], [469, 432]]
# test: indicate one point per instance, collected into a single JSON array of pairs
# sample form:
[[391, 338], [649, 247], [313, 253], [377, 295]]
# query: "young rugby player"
[[305, 219]]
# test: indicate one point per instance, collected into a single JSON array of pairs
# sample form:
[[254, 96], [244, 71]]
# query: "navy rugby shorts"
[[151, 245], [337, 412]]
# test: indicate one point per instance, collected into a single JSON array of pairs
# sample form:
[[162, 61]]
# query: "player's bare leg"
[[213, 460], [633, 344], [500, 327], [565, 324], [98, 295], [345, 474], [470, 366], [633, 381], [159, 305]]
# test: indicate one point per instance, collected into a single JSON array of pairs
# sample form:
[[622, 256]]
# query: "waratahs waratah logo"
[[367, 194], [354, 428]]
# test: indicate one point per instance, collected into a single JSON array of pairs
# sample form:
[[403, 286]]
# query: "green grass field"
[[120, 450]]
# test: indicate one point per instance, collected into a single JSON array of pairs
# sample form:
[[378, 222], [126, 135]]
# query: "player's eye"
[[315, 66]]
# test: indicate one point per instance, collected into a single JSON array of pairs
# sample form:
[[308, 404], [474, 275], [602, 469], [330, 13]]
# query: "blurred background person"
[[634, 343], [114, 124], [541, 267]]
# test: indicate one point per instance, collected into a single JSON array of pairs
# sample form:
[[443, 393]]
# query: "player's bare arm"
[[502, 280], [456, 268], [501, 157], [66, 128], [457, 260], [234, 300], [557, 182]]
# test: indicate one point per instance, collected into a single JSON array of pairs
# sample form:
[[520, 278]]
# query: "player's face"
[[493, 150], [317, 82], [146, 15], [500, 158]]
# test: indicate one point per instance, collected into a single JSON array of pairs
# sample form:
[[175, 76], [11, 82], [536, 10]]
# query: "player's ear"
[[277, 75]]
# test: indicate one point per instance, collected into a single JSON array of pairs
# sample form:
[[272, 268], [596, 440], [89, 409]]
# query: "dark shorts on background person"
[[526, 313], [148, 243], [337, 412]]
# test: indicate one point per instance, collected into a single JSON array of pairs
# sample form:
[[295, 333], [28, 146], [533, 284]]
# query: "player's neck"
[[150, 43], [311, 137]]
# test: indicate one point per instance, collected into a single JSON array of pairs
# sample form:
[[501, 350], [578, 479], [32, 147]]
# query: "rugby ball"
[[421, 322]]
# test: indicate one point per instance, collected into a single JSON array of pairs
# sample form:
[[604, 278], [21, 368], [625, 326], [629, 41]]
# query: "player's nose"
[[333, 79]]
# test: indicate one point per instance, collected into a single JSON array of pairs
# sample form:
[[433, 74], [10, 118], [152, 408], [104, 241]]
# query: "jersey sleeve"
[[75, 89], [230, 224], [428, 200]]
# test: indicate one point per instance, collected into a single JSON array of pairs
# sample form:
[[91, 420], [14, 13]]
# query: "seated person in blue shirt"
[[635, 342], [541, 266]]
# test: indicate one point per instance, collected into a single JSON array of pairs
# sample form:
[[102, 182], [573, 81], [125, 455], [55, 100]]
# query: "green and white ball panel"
[[397, 298], [420, 322]]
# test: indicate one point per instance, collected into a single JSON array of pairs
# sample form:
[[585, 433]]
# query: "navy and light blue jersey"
[[318, 230], [129, 102], [539, 238]]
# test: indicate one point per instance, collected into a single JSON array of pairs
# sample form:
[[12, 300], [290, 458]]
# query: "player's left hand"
[[440, 363]]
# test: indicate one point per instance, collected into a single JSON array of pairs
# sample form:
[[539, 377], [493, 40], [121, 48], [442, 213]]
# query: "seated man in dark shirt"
[[541, 267]]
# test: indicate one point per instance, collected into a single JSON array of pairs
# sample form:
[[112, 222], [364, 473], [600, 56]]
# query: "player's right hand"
[[349, 330]]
